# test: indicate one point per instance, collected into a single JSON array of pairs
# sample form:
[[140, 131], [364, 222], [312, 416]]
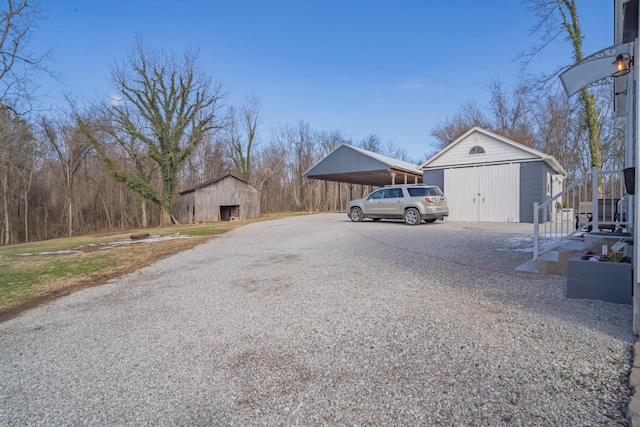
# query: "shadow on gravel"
[[476, 259]]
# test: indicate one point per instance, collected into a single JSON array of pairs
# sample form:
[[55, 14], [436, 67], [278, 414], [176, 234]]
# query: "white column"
[[634, 131]]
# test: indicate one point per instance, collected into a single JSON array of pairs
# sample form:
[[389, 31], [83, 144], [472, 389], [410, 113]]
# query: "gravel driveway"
[[315, 320]]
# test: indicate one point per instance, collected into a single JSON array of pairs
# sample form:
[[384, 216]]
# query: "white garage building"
[[487, 177]]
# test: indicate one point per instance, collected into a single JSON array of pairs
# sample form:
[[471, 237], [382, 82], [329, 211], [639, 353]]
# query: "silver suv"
[[412, 203]]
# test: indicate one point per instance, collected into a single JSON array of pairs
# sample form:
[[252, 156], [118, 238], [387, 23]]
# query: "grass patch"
[[35, 273], [25, 277]]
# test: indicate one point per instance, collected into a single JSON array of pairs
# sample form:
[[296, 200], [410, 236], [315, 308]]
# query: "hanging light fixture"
[[623, 64]]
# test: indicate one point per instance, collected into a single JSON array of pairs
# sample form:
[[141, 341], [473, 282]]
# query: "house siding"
[[487, 177], [434, 177], [495, 152], [533, 188]]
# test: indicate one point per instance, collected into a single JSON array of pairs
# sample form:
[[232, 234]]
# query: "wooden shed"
[[221, 199], [487, 177]]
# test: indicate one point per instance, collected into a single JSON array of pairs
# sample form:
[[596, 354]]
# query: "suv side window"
[[378, 194], [394, 193], [424, 191], [418, 191]]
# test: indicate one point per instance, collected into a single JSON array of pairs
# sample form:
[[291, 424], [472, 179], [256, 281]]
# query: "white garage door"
[[484, 193]]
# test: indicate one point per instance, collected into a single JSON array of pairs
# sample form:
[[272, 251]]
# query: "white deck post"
[[536, 231], [636, 217]]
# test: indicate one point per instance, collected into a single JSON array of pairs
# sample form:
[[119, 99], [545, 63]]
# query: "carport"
[[353, 165]]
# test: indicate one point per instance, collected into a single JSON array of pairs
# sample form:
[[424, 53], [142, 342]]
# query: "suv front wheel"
[[412, 216], [356, 214]]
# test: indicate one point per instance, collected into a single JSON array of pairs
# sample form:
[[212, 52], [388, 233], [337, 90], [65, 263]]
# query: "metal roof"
[[210, 182], [355, 165], [441, 161]]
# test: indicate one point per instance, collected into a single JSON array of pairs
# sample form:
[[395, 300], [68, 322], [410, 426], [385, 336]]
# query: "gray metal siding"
[[533, 188], [434, 177]]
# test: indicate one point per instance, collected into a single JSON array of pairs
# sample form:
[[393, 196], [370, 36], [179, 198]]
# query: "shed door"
[[484, 193]]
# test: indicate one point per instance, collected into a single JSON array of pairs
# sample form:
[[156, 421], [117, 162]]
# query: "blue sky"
[[392, 68]]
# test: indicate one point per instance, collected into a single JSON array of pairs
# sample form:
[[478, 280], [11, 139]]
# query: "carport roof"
[[358, 166]]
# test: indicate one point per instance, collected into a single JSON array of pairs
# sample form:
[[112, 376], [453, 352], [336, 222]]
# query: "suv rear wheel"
[[412, 216], [356, 214]]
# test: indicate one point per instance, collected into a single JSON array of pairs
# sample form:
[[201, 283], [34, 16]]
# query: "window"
[[424, 191], [394, 192], [378, 194], [476, 150]]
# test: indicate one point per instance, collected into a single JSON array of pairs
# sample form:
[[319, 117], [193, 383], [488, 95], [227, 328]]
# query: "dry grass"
[[31, 276]]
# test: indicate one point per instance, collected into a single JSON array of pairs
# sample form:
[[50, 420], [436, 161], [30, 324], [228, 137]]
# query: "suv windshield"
[[424, 191]]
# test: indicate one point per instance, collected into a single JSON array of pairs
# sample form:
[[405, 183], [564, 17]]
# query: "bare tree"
[[127, 154], [270, 175], [241, 134], [611, 129], [512, 112], [305, 149], [17, 63], [556, 18], [275, 167], [559, 134], [467, 116], [25, 174], [298, 146], [330, 140], [372, 143], [70, 147], [169, 107], [17, 161], [208, 161]]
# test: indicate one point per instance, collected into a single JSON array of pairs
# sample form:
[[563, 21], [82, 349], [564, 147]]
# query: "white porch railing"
[[580, 208]]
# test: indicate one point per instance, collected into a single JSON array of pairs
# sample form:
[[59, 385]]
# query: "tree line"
[[119, 163]]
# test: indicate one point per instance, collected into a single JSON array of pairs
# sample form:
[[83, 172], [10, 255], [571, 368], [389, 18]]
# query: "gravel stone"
[[314, 320]]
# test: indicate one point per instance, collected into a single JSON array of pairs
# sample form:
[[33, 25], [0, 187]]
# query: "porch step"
[[554, 261], [557, 261]]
